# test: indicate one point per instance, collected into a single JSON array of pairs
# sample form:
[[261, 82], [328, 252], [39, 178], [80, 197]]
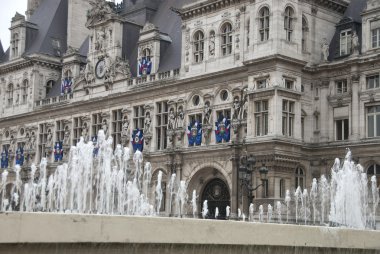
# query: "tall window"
[[43, 137], [261, 118], [282, 188], [14, 44], [195, 117], [288, 23], [198, 46], [305, 31], [49, 86], [374, 170], [77, 129], [375, 33], [226, 35], [248, 31], [138, 117], [299, 178], [345, 42], [59, 130], [341, 87], [373, 81], [303, 128], [24, 91], [226, 113], [287, 117], [117, 125], [373, 121], [162, 125], [10, 95], [341, 129], [289, 84], [265, 188], [264, 24], [96, 124]]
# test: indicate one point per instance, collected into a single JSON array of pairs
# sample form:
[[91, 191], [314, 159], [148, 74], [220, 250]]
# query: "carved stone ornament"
[[148, 27], [325, 50], [100, 11]]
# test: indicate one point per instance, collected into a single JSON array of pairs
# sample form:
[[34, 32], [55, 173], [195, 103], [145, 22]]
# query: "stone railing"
[[54, 100], [154, 77]]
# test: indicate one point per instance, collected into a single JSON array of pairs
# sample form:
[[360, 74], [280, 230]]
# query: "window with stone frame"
[[195, 117], [10, 91], [341, 86], [248, 31], [59, 130], [373, 121], [345, 42], [198, 46], [299, 178], [24, 91], [261, 117], [341, 129], [374, 170], [96, 124], [288, 22], [116, 126], [49, 86], [138, 117], [375, 34], [262, 83], [373, 81], [14, 44], [289, 84], [226, 113], [287, 117], [226, 39], [42, 140], [265, 188], [282, 188], [264, 23], [77, 129], [161, 125], [305, 33], [5, 147]]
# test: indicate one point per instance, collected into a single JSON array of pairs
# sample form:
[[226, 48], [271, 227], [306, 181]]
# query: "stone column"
[[355, 107], [235, 183], [324, 116]]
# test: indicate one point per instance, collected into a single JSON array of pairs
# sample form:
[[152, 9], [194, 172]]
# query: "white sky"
[[7, 11]]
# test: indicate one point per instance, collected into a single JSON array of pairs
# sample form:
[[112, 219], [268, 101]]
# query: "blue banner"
[[66, 85], [20, 156], [145, 66], [58, 151], [194, 133], [96, 146], [222, 131], [138, 140], [4, 159]]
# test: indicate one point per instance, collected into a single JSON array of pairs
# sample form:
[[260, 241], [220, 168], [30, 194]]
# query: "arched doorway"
[[217, 194]]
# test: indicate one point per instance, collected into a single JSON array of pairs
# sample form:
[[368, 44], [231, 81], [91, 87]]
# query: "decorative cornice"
[[334, 5]]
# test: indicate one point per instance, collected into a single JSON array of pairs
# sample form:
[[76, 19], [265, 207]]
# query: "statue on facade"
[[100, 40], [207, 114], [172, 119], [12, 145], [211, 46], [85, 132], [66, 137], [325, 50], [235, 108], [32, 141], [99, 11], [109, 74], [147, 123], [122, 67], [180, 123], [243, 109], [88, 73], [355, 43], [49, 139], [125, 127], [105, 126]]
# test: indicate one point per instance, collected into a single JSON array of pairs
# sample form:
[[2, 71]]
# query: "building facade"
[[204, 86]]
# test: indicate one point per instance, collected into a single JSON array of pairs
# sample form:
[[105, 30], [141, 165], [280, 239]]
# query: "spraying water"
[[251, 212], [287, 202], [216, 213], [279, 211], [205, 209], [269, 213], [261, 213], [194, 203], [314, 198]]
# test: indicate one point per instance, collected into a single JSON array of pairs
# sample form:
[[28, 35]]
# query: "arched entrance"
[[217, 194]]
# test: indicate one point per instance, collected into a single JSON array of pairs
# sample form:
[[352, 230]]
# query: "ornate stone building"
[[205, 85]]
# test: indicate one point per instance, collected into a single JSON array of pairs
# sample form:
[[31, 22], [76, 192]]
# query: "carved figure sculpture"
[[325, 50], [172, 119], [180, 118], [355, 43], [236, 108], [207, 113], [147, 123]]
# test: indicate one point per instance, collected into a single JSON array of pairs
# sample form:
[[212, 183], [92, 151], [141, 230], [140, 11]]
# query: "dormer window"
[[145, 63], [49, 86], [345, 42], [14, 43], [198, 46], [264, 24], [375, 33], [226, 43], [10, 95], [24, 91], [341, 87], [289, 84], [288, 23]]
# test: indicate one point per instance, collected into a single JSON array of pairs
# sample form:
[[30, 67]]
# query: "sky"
[[7, 11]]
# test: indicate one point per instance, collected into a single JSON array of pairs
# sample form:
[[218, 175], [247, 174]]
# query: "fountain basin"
[[73, 233]]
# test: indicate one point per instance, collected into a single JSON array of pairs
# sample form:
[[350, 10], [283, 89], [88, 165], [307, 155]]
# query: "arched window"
[[24, 91], [288, 22], [10, 95], [145, 63], [146, 53], [374, 170], [299, 178], [264, 24], [198, 46], [282, 188], [305, 31], [226, 36], [49, 86], [14, 44]]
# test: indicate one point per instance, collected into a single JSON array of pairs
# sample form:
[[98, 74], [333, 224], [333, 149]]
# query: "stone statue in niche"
[[207, 114], [172, 119], [99, 11], [243, 108], [66, 138], [108, 72], [12, 146], [49, 139], [122, 67], [100, 40], [180, 118], [88, 73], [325, 50], [105, 126], [236, 108], [32, 141], [147, 123], [211, 46], [125, 127], [355, 43], [85, 132]]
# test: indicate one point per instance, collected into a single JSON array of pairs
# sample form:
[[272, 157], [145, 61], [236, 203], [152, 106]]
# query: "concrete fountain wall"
[[69, 233]]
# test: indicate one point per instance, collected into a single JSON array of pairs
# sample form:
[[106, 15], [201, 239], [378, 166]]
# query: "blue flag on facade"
[[145, 66], [4, 159], [58, 151], [66, 85], [194, 133], [222, 131], [138, 140], [20, 156], [96, 146]]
